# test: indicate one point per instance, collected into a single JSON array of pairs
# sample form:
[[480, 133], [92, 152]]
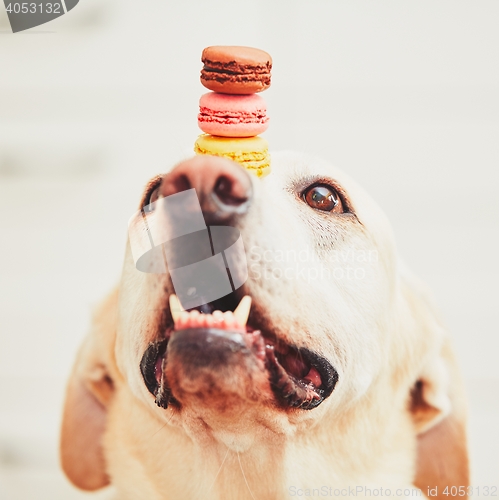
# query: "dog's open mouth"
[[299, 378]]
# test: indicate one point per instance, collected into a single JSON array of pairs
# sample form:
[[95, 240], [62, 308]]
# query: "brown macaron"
[[235, 70]]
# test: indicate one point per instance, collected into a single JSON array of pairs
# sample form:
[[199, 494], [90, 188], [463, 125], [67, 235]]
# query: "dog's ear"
[[439, 410], [89, 392], [437, 405]]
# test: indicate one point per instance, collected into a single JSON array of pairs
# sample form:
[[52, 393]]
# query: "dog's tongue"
[[235, 321], [314, 377], [218, 319], [296, 365], [228, 321]]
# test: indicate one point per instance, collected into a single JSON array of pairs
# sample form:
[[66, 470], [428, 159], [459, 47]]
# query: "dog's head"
[[309, 316]]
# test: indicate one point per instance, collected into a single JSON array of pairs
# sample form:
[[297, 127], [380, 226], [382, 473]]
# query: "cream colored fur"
[[377, 328]]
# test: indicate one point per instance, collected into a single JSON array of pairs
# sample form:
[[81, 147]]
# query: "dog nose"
[[223, 187]]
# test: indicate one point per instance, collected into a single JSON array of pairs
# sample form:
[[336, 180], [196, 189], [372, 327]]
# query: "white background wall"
[[404, 96]]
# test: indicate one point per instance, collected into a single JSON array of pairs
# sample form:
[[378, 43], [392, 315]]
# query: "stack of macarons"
[[233, 114]]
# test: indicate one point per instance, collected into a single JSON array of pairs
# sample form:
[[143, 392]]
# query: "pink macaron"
[[230, 115]]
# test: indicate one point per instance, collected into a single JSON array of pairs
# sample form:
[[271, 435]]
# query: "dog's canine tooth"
[[242, 310], [175, 307]]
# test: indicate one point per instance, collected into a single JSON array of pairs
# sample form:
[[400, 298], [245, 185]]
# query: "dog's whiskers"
[[244, 476], [164, 425], [219, 470]]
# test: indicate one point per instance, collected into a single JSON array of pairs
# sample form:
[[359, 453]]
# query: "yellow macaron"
[[250, 152]]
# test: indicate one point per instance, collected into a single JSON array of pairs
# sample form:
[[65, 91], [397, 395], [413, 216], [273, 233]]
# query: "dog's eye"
[[323, 197]]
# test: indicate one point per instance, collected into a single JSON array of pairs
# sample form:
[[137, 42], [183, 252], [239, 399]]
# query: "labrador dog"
[[325, 373]]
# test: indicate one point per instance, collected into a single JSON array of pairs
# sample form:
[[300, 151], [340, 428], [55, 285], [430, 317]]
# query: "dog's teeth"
[[175, 307], [229, 319], [182, 320], [218, 319], [242, 310], [209, 321]]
